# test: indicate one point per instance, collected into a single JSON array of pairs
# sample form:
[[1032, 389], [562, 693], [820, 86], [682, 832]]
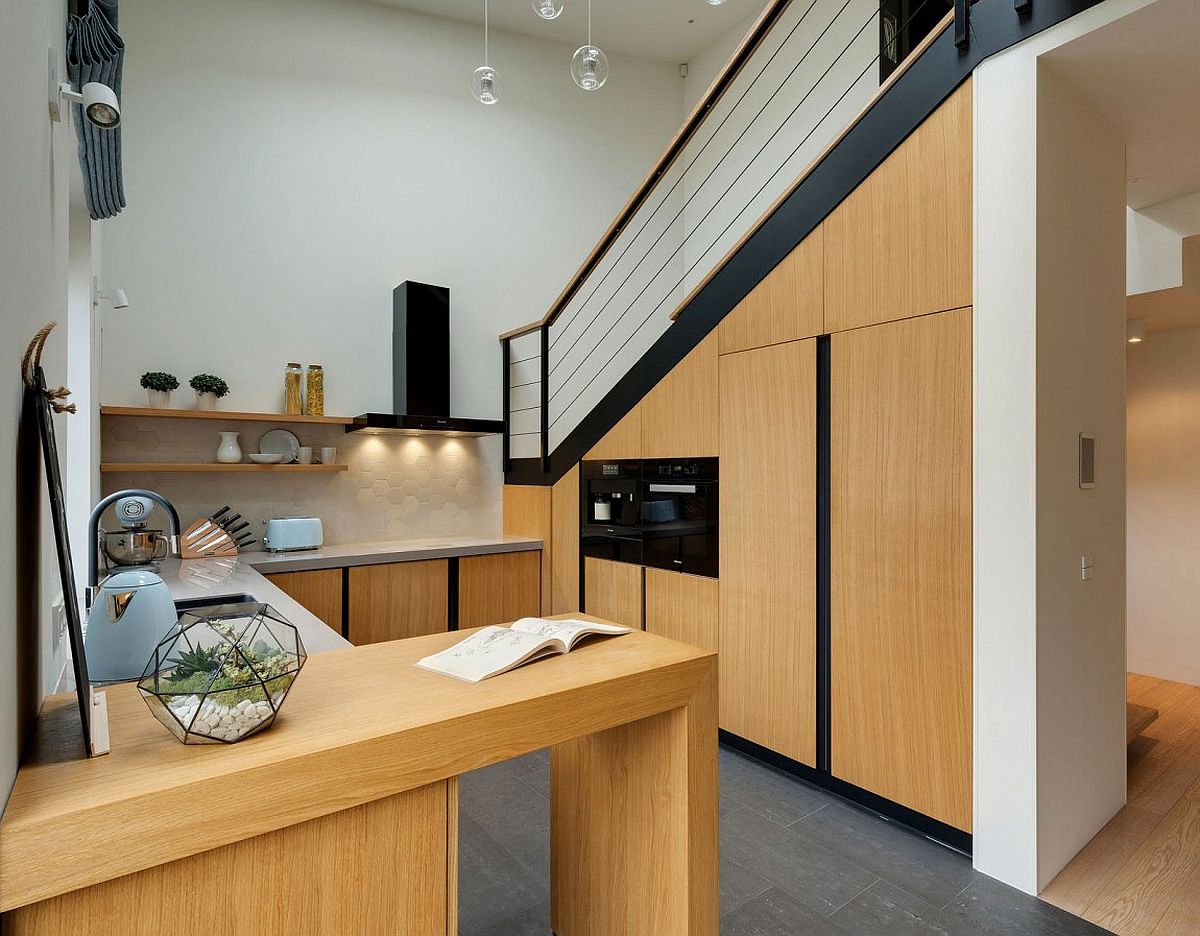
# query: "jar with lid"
[[291, 389], [314, 397]]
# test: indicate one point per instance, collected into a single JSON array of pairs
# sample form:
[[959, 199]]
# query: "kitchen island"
[[342, 818]]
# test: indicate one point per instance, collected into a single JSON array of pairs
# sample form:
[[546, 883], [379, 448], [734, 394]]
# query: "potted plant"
[[158, 386], [208, 389]]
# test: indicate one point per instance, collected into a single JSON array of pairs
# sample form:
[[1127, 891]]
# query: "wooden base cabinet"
[[901, 621], [768, 547], [499, 589], [399, 599], [613, 591], [319, 591], [682, 607]]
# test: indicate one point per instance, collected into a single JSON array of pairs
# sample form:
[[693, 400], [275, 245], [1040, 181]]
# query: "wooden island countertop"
[[360, 724]]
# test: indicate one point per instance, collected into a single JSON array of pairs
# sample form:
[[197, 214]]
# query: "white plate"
[[261, 459], [280, 442]]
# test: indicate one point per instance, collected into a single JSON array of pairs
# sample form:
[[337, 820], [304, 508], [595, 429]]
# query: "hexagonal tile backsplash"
[[396, 487]]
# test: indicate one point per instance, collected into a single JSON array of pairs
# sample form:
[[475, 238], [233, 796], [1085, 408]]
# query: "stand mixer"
[[134, 545]]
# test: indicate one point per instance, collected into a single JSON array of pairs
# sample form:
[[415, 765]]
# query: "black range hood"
[[421, 369]]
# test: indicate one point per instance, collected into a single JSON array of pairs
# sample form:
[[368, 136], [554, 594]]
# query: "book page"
[[568, 631], [488, 652]]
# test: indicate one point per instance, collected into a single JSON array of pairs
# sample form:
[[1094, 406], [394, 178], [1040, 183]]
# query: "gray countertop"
[[217, 578], [353, 554]]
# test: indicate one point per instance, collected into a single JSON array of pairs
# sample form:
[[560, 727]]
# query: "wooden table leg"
[[633, 826]]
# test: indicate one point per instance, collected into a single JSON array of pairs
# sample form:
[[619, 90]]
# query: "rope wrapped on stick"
[[30, 364]]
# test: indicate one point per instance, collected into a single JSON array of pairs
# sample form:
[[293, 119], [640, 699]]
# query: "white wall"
[[36, 158], [1049, 328], [336, 152], [1164, 504], [1080, 388], [1154, 254]]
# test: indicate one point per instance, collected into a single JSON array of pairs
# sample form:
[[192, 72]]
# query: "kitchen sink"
[[212, 601]]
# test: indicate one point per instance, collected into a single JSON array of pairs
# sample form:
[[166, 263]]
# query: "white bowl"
[[259, 459]]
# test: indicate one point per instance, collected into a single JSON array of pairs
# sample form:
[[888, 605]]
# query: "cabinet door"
[[564, 545], [900, 630], [768, 547], [788, 304], [624, 440], [499, 589], [613, 591], [682, 607], [679, 416], [900, 245], [320, 591], [400, 599]]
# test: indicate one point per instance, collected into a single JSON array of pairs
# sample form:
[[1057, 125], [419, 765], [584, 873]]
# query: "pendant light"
[[547, 9], [589, 66], [485, 82]]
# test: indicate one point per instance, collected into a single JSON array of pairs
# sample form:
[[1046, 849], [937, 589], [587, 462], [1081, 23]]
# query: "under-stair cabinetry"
[[900, 244], [613, 591], [679, 416], [682, 607], [768, 547], [900, 524]]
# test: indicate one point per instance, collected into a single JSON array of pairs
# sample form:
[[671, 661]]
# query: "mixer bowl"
[[134, 547]]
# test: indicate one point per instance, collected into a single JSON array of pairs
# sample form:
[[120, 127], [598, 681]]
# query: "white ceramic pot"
[[229, 452], [207, 400], [159, 399]]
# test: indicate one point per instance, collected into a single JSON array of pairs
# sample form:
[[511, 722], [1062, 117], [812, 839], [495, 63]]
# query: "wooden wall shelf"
[[115, 467], [229, 416]]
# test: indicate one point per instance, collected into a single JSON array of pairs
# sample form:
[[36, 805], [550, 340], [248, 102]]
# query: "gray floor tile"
[[534, 770], [765, 790], [493, 886], [738, 884], [989, 908], [903, 858], [511, 812], [885, 910], [806, 870], [533, 922], [775, 913]]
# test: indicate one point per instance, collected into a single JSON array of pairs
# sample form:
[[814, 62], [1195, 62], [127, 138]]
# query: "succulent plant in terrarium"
[[223, 672]]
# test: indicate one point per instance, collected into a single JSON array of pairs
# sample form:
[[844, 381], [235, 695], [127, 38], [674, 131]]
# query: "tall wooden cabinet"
[[768, 547], [900, 518]]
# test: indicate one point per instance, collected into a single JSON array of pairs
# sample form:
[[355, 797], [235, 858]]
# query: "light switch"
[[1086, 568]]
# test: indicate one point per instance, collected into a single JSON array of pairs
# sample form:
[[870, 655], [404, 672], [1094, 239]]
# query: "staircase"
[[818, 93]]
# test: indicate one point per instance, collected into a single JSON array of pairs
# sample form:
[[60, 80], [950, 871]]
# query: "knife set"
[[218, 535]]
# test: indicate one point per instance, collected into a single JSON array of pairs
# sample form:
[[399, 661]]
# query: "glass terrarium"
[[222, 674]]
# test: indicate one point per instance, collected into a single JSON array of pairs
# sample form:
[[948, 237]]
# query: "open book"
[[495, 650]]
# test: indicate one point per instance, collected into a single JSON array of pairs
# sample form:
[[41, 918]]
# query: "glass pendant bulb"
[[589, 68], [485, 84], [547, 9]]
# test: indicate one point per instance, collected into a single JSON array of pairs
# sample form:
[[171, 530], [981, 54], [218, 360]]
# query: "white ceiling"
[[659, 30], [1143, 73]]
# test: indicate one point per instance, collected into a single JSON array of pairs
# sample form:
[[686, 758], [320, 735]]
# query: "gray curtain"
[[96, 52]]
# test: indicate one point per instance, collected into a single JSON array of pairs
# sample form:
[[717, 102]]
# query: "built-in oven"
[[679, 504], [610, 494]]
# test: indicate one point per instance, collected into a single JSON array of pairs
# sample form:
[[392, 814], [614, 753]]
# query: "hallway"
[[1140, 876]]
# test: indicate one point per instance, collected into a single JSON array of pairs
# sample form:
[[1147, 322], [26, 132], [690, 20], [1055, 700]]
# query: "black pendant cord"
[[823, 559]]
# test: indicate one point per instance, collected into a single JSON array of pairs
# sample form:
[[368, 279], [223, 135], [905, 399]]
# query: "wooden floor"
[[1140, 876]]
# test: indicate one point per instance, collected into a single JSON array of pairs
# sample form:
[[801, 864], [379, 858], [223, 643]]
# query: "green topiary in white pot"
[[158, 386], [208, 389]]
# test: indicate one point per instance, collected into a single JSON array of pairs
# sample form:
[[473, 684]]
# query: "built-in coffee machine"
[[610, 492]]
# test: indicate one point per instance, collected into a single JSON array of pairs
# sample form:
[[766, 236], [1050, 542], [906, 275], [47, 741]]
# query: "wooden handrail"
[[891, 79], [732, 68]]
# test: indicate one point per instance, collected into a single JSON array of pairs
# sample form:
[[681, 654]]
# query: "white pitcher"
[[229, 452]]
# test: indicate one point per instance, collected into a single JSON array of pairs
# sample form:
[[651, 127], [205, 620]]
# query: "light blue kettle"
[[131, 612]]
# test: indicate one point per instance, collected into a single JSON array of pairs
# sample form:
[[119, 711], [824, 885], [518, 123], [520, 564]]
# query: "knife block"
[[205, 539]]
